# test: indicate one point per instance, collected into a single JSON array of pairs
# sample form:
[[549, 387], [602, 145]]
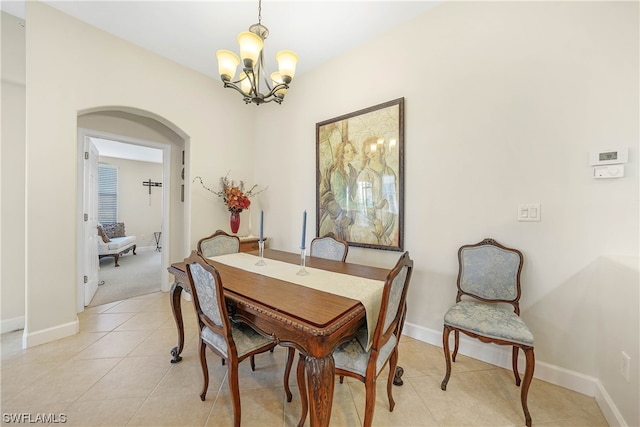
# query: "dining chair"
[[329, 246], [232, 341], [219, 243], [488, 278], [352, 360]]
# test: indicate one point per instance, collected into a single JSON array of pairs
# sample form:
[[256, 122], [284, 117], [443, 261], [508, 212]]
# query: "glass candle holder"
[[261, 249], [303, 271]]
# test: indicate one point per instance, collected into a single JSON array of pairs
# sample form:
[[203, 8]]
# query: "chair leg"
[[393, 362], [447, 356], [302, 388], [252, 361], [514, 362], [234, 388], [370, 402], [205, 370], [291, 353], [456, 344], [528, 376]]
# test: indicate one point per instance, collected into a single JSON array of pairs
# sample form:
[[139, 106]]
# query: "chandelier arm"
[[232, 85], [276, 88]]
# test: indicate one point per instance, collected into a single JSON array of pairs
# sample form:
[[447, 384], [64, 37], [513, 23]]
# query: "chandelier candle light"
[[252, 54]]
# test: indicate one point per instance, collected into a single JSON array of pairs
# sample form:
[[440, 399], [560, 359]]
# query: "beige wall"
[[12, 157], [66, 82], [504, 101], [140, 211]]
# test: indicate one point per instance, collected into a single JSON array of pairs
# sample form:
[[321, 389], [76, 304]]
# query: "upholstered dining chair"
[[219, 243], [352, 360], [234, 342], [488, 278], [329, 246]]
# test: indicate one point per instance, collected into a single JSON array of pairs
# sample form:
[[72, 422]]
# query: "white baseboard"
[[10, 325], [501, 356], [50, 334]]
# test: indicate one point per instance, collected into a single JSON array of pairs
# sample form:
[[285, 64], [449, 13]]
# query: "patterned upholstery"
[[114, 229], [206, 290], [329, 247], [395, 296], [490, 321], [489, 272], [233, 341], [104, 237], [245, 338], [488, 279], [352, 357], [219, 243]]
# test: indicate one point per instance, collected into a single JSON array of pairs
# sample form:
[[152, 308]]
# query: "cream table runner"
[[367, 291]]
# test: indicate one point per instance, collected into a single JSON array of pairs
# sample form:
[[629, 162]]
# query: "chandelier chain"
[[259, 11]]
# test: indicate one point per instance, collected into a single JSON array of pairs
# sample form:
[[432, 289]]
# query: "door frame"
[[166, 186]]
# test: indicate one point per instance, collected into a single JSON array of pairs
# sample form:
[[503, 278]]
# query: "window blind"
[[107, 193]]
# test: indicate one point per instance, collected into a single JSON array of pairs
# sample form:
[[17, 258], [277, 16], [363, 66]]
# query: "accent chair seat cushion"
[[351, 357], [489, 320], [246, 339]]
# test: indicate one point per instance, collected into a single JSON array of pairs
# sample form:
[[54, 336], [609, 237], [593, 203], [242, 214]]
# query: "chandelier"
[[253, 69]]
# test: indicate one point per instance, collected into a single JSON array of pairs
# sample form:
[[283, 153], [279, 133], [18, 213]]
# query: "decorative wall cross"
[[151, 184]]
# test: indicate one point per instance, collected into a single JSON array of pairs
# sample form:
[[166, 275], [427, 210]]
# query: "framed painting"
[[360, 177]]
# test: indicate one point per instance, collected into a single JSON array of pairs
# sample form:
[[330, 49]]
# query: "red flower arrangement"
[[233, 194]]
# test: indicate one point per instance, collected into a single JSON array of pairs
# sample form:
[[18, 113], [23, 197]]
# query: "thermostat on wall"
[[609, 157]]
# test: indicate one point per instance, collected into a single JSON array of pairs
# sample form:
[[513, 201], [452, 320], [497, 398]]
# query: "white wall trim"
[[10, 325], [501, 356], [50, 334]]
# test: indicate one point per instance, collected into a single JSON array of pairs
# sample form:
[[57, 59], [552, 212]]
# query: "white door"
[[91, 263]]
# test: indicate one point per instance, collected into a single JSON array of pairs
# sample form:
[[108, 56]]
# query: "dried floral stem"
[[235, 198]]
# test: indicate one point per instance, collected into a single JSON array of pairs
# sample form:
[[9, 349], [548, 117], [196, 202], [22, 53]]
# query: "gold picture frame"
[[360, 176]]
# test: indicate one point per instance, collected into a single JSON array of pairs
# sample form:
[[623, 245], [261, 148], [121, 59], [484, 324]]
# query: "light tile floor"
[[117, 372]]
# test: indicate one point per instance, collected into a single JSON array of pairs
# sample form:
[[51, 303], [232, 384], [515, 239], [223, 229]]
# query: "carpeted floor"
[[137, 275]]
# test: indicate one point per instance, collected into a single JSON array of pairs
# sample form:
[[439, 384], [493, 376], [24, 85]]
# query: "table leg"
[[320, 380], [176, 307]]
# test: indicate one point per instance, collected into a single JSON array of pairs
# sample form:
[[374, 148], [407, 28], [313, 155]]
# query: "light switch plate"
[[529, 212], [611, 171]]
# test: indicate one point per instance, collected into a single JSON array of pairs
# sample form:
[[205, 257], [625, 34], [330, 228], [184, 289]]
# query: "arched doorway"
[[131, 126]]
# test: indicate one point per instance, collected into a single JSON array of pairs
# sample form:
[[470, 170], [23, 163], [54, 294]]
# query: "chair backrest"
[[208, 295], [329, 246], [490, 272], [219, 243], [393, 306]]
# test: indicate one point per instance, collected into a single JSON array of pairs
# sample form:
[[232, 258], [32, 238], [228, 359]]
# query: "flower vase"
[[234, 222]]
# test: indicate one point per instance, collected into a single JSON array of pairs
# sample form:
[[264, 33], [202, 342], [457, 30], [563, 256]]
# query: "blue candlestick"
[[304, 229], [261, 224]]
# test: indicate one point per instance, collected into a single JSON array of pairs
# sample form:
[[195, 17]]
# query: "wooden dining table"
[[312, 321]]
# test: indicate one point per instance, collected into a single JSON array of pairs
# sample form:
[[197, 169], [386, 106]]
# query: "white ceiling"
[[121, 150], [190, 32]]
